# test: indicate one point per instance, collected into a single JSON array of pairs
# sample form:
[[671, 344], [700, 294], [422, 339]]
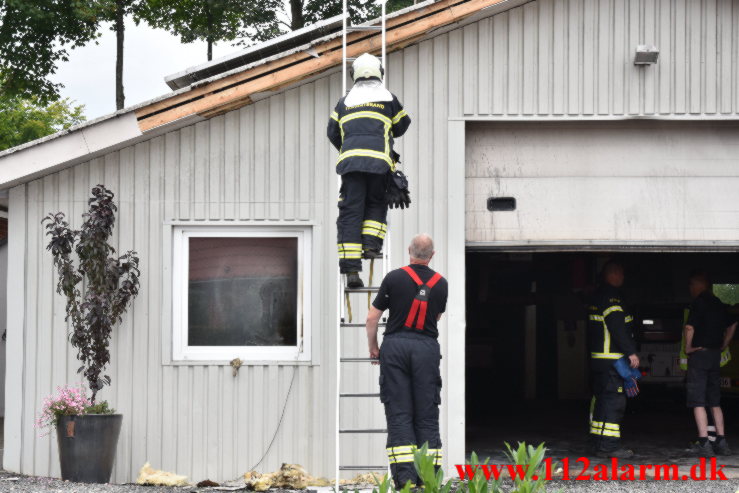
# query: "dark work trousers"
[[410, 389], [606, 410], [362, 221]]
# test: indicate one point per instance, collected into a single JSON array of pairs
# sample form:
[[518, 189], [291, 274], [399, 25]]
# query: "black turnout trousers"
[[607, 410], [410, 389], [362, 221]]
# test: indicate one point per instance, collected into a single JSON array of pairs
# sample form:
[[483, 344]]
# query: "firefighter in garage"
[[410, 379], [708, 332], [362, 128], [610, 340]]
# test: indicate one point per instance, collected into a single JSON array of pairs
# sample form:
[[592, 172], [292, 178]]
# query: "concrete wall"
[[271, 161]]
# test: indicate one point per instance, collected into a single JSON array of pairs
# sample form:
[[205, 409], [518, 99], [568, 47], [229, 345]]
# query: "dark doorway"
[[527, 362]]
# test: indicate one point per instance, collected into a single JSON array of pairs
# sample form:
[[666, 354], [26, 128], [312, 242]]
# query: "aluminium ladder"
[[344, 293]]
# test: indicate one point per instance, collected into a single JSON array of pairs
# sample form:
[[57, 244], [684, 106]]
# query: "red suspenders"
[[420, 302]]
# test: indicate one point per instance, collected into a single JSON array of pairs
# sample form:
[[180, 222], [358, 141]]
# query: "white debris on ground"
[[152, 477], [295, 477]]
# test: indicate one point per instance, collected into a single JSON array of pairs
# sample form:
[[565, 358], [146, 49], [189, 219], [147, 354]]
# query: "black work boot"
[[371, 253], [702, 449], [721, 447], [619, 453], [353, 281]]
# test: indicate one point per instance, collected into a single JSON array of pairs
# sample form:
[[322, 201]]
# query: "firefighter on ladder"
[[613, 364], [410, 378], [362, 128]]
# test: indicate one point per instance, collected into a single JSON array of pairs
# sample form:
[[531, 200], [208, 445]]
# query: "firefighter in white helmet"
[[362, 128]]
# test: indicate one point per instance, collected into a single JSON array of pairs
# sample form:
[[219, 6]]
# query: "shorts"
[[704, 378]]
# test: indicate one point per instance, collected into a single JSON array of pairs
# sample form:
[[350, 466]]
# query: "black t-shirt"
[[397, 292], [710, 318]]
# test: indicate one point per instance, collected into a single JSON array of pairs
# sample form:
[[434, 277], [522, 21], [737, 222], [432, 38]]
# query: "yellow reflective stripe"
[[611, 309], [629, 318], [350, 251], [398, 116], [403, 458], [596, 318], [334, 116], [365, 114], [366, 153], [609, 433], [606, 355], [595, 431], [611, 426], [402, 449], [373, 232], [376, 224]]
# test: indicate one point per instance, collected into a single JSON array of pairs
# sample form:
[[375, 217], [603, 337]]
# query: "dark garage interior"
[[527, 360]]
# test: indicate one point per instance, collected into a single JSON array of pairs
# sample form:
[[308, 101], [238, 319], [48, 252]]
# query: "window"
[[241, 292]]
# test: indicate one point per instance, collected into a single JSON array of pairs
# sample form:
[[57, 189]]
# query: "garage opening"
[[527, 359]]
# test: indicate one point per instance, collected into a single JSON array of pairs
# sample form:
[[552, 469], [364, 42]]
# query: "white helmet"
[[366, 66]]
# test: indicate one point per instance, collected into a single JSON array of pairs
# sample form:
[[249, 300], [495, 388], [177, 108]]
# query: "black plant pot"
[[87, 446]]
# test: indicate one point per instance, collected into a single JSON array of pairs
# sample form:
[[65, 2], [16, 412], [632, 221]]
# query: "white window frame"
[[181, 351]]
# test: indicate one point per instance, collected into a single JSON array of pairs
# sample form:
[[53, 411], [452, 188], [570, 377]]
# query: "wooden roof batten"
[[234, 91]]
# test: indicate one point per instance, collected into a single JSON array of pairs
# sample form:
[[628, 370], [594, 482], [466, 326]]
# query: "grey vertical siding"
[[271, 161]]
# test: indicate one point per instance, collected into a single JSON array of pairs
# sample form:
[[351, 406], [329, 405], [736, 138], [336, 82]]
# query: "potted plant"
[[98, 290]]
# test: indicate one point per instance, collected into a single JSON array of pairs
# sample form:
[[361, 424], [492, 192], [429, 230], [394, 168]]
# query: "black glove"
[[396, 190]]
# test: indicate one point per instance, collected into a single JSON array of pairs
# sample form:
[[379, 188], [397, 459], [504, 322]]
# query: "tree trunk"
[[209, 20], [296, 15], [120, 98]]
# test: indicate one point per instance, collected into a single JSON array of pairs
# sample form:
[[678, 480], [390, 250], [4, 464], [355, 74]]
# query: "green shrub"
[[529, 459], [100, 408]]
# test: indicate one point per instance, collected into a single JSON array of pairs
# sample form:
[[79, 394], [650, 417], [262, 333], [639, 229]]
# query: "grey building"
[[539, 101]]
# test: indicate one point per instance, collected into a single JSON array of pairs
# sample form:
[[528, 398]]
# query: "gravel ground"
[[25, 484]]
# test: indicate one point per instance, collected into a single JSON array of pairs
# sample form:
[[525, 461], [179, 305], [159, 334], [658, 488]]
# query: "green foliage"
[[479, 483], [110, 282], [211, 20], [24, 120], [100, 408], [530, 460], [34, 37]]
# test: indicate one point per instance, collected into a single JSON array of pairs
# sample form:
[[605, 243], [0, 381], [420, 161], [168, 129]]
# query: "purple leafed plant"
[[99, 289]]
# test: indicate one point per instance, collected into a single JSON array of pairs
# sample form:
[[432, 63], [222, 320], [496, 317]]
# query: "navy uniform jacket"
[[363, 135], [609, 329]]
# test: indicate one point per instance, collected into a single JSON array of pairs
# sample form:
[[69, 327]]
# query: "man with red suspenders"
[[410, 378]]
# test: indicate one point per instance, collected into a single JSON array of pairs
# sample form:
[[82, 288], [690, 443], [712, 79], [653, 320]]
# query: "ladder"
[[345, 319]]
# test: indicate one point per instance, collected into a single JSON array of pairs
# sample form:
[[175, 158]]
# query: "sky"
[[149, 56]]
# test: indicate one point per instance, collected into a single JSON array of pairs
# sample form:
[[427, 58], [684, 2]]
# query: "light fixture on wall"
[[646, 55]]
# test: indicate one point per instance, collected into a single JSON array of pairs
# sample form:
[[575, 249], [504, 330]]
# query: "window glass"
[[242, 291]]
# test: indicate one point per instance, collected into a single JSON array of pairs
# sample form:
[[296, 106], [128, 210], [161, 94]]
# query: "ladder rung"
[[362, 468], [358, 360], [350, 58], [363, 431], [344, 324], [364, 28], [366, 289], [359, 395]]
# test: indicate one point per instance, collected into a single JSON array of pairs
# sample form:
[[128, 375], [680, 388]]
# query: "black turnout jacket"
[[363, 135]]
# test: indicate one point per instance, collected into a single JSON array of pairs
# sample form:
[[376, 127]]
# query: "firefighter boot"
[[353, 281], [371, 253], [721, 447]]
